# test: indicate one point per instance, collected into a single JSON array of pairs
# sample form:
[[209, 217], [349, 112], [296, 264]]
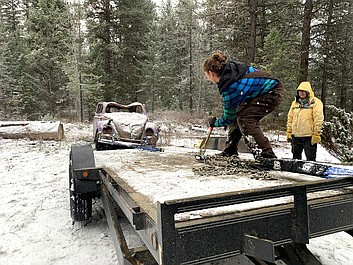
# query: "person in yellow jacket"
[[304, 123]]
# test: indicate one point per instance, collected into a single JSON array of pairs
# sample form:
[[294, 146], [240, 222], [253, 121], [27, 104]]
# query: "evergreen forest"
[[60, 58]]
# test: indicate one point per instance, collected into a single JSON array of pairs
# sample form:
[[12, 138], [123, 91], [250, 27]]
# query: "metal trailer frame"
[[261, 234]]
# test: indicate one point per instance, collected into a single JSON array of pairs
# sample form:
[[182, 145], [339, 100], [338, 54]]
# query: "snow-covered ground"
[[35, 223]]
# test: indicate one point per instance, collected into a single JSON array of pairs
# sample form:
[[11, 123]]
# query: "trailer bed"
[[186, 218], [153, 177]]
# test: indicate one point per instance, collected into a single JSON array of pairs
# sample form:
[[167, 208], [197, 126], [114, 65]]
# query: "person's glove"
[[315, 139], [212, 121], [289, 137]]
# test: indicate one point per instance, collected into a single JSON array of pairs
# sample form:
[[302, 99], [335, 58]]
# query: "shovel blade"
[[200, 157]]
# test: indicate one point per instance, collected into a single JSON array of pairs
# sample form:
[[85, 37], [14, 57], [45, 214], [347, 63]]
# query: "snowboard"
[[325, 170]]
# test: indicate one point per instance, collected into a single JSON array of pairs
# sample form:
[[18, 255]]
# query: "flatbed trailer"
[[258, 225]]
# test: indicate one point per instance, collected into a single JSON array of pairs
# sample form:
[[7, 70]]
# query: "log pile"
[[33, 130]]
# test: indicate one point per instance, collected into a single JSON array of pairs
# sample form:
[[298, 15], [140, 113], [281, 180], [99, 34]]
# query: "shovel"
[[201, 155]]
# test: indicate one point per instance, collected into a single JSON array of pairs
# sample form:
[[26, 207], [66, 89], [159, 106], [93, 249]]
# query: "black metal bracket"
[[296, 254], [350, 232], [259, 248], [300, 220]]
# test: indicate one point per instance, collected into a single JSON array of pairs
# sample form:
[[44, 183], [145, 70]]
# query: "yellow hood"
[[305, 86], [305, 121]]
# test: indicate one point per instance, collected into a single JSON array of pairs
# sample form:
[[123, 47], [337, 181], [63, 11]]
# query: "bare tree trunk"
[[343, 87], [262, 27], [344, 98], [79, 64], [252, 35], [106, 52], [305, 43], [326, 53], [190, 66]]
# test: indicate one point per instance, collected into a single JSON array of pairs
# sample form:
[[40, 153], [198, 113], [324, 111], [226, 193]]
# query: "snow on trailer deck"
[[34, 209], [169, 175]]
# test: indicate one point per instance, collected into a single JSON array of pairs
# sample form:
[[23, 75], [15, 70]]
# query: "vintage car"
[[124, 126]]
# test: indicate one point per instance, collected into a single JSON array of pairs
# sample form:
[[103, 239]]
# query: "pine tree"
[[117, 32], [227, 27], [11, 50], [44, 81], [337, 135], [81, 94], [332, 52], [166, 64]]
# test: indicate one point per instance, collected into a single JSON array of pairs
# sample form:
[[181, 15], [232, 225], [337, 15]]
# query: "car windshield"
[[131, 109]]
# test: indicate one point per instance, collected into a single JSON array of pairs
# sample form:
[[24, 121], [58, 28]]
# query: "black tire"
[[151, 138], [80, 204], [98, 146]]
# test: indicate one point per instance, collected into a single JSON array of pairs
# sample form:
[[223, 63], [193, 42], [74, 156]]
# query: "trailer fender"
[[81, 191]]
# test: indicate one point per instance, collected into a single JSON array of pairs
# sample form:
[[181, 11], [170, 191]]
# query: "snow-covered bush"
[[337, 135]]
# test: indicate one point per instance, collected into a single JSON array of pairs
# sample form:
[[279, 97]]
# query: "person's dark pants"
[[249, 115], [303, 143]]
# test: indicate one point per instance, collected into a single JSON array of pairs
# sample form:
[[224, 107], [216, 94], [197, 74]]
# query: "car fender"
[[152, 126], [104, 123]]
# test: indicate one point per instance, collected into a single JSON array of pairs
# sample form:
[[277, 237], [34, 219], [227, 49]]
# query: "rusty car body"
[[124, 126]]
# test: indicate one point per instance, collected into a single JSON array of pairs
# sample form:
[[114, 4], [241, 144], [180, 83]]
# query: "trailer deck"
[[192, 219], [170, 176]]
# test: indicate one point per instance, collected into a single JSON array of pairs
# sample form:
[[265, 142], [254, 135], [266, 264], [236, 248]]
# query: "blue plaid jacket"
[[240, 91]]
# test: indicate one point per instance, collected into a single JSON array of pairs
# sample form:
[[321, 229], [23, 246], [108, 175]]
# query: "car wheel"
[[151, 138], [99, 146]]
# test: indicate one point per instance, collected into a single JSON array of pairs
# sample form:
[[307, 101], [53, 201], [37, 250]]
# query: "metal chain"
[[216, 165]]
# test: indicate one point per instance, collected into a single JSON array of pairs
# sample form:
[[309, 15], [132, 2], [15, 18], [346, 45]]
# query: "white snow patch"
[[35, 223]]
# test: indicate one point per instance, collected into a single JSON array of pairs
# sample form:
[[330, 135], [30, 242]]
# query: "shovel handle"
[[207, 138]]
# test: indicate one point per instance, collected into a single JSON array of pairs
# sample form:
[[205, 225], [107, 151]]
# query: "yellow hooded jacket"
[[307, 120]]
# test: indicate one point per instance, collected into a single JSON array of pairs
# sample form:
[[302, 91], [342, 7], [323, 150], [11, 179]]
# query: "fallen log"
[[33, 130]]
